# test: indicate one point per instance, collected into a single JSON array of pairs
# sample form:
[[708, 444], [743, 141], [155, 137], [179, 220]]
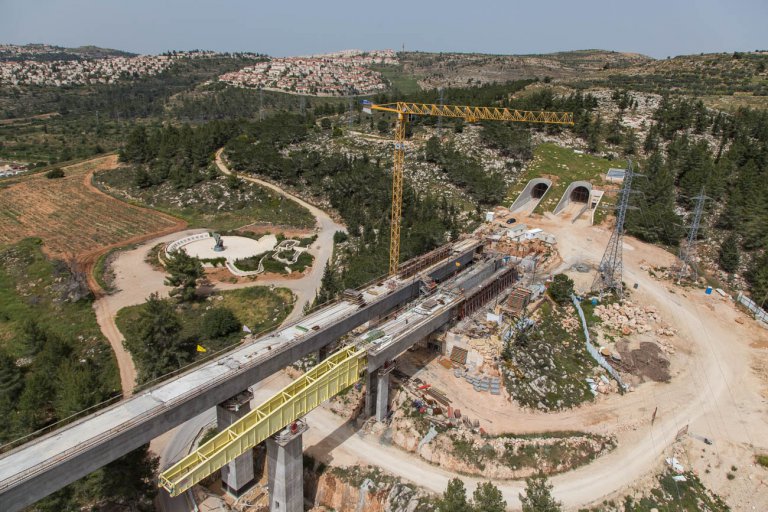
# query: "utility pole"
[[440, 118], [610, 271], [686, 252]]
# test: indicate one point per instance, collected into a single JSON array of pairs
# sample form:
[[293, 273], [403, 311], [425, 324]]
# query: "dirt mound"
[[646, 361]]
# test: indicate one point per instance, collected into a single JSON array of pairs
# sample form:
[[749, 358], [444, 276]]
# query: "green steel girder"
[[339, 371]]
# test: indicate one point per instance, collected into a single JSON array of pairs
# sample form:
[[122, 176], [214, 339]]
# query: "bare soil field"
[[73, 218]]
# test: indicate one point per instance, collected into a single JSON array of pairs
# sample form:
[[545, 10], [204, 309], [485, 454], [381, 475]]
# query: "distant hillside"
[[704, 74], [45, 52], [461, 69]]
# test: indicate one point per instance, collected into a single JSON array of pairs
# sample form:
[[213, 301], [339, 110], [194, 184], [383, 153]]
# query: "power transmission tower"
[[609, 273], [440, 119], [687, 251]]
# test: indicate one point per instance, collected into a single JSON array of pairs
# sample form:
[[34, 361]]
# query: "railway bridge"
[[46, 464]]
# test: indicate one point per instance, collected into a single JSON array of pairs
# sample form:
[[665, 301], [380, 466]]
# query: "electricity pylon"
[[687, 251], [611, 269]]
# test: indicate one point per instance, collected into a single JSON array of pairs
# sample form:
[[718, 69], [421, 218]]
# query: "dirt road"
[[711, 391], [322, 249]]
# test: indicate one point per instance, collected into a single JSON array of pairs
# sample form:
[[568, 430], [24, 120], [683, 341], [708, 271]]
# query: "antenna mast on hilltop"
[[686, 252], [609, 273]]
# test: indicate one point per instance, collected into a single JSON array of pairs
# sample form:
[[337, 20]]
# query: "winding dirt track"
[[135, 279], [713, 391]]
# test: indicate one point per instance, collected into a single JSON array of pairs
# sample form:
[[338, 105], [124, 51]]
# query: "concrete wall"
[[527, 195], [566, 199]]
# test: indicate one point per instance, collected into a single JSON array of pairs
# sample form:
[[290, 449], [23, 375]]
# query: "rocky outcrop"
[[365, 489]]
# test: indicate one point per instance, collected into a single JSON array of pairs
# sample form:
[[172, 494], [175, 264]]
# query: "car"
[[511, 221]]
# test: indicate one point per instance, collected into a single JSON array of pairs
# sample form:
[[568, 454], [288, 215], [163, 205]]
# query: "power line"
[[610, 271]]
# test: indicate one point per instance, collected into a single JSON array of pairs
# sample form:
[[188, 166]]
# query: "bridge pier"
[[377, 391], [285, 464], [237, 476]]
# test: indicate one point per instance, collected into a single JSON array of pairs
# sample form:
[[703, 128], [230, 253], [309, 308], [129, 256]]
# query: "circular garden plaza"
[[246, 256]]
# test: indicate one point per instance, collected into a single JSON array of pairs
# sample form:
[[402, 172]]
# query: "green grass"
[[29, 289], [405, 83], [562, 166], [257, 307], [762, 460]]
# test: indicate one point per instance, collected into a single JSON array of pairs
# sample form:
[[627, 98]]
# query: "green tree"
[[154, 340], [432, 150], [758, 279], [54, 173], [728, 256], [561, 288], [11, 382], [654, 220], [184, 272], [538, 495], [130, 480], [454, 498], [383, 126], [76, 388], [488, 498], [325, 123], [219, 322]]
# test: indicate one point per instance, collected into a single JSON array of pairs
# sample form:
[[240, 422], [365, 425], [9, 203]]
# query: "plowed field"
[[72, 217]]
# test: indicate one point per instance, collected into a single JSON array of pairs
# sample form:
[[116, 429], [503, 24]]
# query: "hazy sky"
[[292, 27]]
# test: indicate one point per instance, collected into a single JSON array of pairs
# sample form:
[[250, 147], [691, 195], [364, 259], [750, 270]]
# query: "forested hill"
[[44, 52]]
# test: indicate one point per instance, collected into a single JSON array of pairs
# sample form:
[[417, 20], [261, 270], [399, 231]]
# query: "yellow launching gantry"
[[469, 114]]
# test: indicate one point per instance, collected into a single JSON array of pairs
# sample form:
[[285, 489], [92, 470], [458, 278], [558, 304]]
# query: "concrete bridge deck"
[[46, 464]]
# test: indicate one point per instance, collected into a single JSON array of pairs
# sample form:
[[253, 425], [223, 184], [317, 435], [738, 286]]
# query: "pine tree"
[[154, 340], [184, 272], [758, 280], [655, 219], [488, 498], [455, 498], [728, 256], [538, 495]]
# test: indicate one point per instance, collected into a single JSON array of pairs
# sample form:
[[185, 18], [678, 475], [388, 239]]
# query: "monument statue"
[[219, 247]]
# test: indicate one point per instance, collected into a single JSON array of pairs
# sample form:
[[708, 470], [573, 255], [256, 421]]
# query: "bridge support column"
[[377, 391], [285, 465], [371, 387], [237, 476]]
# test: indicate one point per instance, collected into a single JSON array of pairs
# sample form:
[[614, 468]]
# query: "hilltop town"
[[335, 74]]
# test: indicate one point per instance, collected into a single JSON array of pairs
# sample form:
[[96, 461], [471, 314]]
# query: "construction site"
[[538, 343]]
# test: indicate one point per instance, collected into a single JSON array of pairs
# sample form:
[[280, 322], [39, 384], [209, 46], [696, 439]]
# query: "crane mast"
[[468, 113]]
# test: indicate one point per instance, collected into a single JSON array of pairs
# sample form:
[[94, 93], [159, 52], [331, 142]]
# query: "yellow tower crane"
[[469, 114]]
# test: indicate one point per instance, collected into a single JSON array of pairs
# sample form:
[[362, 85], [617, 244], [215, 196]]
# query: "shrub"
[[340, 237], [561, 288], [54, 173], [219, 322]]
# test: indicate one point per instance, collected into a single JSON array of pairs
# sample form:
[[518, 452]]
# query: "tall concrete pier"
[[237, 476], [285, 464]]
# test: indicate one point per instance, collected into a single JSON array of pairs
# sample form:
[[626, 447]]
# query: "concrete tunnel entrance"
[[580, 194], [539, 190]]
